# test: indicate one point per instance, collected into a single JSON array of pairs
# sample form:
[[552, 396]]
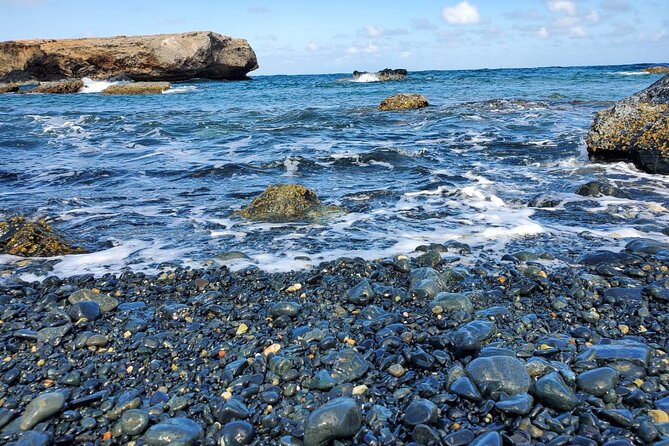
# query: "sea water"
[[144, 180]]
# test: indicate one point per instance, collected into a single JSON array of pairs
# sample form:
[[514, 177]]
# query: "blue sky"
[[291, 36]]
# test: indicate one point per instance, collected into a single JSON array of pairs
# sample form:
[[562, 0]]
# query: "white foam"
[[93, 86], [181, 89], [291, 166], [631, 73], [366, 77]]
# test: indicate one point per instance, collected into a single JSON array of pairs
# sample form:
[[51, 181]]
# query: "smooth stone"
[[225, 411], [427, 435], [465, 388], [469, 338], [339, 418], [452, 302], [134, 421], [598, 381], [617, 351], [290, 309], [237, 433], [520, 404], [552, 391], [181, 431], [41, 408], [106, 303], [488, 439], [459, 438], [87, 309], [34, 438], [347, 365], [499, 374], [53, 335], [361, 294], [421, 411]]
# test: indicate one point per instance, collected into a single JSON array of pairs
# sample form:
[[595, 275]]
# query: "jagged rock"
[[635, 129], [21, 237], [285, 202], [67, 86], [387, 74], [9, 88], [163, 57], [403, 101], [137, 88], [659, 69]]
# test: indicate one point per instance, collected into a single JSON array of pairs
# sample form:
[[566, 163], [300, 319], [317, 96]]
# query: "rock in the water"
[[21, 237], [164, 57], [552, 391], [658, 69], [237, 433], [104, 301], [42, 407], [137, 88], [494, 374], [339, 418], [285, 202], [635, 129], [67, 86], [387, 74], [403, 101], [421, 411], [600, 188], [181, 431]]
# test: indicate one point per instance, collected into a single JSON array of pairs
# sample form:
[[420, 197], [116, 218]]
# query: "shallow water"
[[145, 180]]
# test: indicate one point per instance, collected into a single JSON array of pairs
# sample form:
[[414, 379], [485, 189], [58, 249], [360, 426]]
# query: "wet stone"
[[598, 381], [617, 352], [134, 421], [34, 438], [520, 404], [465, 388], [552, 391], [347, 366], [237, 433], [427, 435], [338, 419], [41, 408], [88, 310], [451, 302], [53, 335], [421, 411], [488, 439], [361, 294], [499, 374], [290, 309], [181, 431], [105, 302], [469, 338]]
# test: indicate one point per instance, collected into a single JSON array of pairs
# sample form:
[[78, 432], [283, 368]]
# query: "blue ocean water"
[[151, 179]]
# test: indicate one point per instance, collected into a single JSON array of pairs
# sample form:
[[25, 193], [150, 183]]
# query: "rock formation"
[[403, 101], [165, 57], [635, 129], [661, 69], [21, 237], [284, 203], [386, 74], [137, 88]]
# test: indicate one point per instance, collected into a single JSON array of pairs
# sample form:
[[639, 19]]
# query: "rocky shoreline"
[[400, 351]]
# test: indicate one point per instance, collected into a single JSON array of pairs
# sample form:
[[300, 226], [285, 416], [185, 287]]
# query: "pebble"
[[520, 404], [34, 438], [452, 302], [598, 381], [104, 301], [361, 294], [237, 433], [554, 392], [337, 419], [134, 421], [41, 408], [86, 309], [495, 374], [421, 411], [181, 431]]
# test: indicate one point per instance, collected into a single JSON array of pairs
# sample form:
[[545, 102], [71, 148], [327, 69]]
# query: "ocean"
[[150, 182]]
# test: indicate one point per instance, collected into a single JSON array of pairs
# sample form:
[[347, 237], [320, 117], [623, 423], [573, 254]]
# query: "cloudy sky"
[[340, 36]]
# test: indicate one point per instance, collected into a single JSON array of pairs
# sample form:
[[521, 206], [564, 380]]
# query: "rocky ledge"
[[422, 351], [635, 129], [164, 57]]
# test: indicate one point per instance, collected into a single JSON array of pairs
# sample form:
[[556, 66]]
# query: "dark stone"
[[552, 391], [600, 188], [598, 381], [520, 404], [337, 419], [237, 433], [497, 374], [421, 411], [88, 310], [182, 431], [361, 294]]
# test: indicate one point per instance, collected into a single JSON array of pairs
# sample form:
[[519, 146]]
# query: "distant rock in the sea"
[[660, 69], [137, 88], [635, 129], [387, 74], [164, 57], [67, 86], [284, 203], [403, 101]]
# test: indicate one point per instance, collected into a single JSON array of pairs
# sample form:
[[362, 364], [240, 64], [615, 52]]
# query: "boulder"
[[387, 74], [403, 101], [635, 129], [137, 88], [660, 69], [164, 57], [67, 86], [21, 237], [284, 203]]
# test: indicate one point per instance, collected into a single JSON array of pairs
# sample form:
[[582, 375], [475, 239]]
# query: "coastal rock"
[[67, 86], [339, 418], [635, 129], [284, 203], [403, 101], [182, 431], [387, 74], [660, 69], [163, 57], [554, 392], [598, 381], [42, 407], [105, 302], [21, 237], [600, 188], [137, 88], [9, 88], [499, 374]]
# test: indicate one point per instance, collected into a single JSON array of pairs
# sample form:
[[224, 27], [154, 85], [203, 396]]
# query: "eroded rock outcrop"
[[403, 101], [284, 203], [635, 129], [387, 74], [164, 57], [22, 237], [137, 88]]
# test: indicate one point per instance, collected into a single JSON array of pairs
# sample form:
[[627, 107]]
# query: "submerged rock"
[[600, 188], [21, 237], [285, 202], [635, 129], [163, 57], [67, 86], [137, 88], [403, 101]]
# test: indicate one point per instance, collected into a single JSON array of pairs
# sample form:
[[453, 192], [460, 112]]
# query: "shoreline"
[[388, 348]]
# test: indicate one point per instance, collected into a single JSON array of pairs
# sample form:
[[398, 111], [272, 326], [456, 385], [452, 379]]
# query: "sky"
[[316, 36]]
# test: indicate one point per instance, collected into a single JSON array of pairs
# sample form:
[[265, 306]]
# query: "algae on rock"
[[286, 202], [21, 237], [137, 88], [403, 101]]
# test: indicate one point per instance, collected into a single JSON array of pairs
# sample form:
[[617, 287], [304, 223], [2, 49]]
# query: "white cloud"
[[379, 31], [461, 14], [374, 31], [592, 17], [312, 47], [368, 48], [577, 31], [543, 32], [566, 6]]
